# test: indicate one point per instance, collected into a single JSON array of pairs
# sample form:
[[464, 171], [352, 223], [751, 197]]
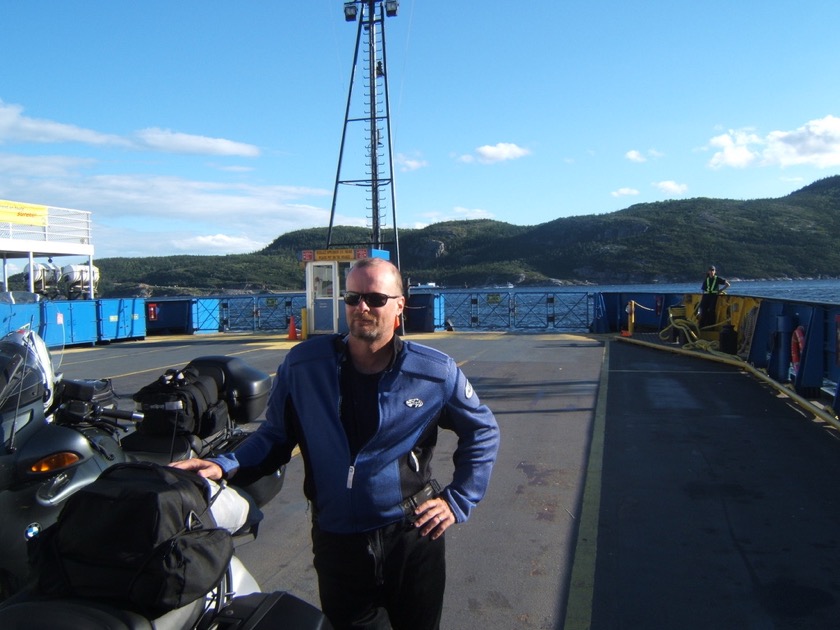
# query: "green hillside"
[[669, 241]]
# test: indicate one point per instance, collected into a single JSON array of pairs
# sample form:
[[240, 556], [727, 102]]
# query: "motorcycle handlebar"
[[122, 414], [74, 411]]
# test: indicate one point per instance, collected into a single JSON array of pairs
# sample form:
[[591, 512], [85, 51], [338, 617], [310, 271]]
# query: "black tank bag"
[[182, 401], [140, 537]]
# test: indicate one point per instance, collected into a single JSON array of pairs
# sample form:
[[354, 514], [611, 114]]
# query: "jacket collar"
[[397, 344]]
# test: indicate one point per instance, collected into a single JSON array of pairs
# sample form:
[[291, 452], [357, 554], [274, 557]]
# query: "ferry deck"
[[634, 488]]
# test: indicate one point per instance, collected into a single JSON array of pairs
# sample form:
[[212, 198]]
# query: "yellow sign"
[[335, 254], [23, 213]]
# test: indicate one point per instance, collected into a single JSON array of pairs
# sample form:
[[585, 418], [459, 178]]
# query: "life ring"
[[797, 343]]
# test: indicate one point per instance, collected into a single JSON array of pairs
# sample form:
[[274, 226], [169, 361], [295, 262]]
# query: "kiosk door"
[[324, 294]]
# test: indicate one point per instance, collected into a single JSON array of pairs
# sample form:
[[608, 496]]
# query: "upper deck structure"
[[31, 231]]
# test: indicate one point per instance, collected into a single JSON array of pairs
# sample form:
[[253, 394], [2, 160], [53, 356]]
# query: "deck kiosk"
[[326, 275]]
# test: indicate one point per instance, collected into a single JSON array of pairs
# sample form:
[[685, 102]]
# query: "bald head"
[[381, 266]]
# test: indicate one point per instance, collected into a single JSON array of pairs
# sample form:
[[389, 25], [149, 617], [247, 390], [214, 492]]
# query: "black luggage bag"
[[182, 402]]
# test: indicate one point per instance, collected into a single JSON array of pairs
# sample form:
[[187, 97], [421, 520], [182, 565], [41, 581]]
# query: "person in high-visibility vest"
[[713, 285]]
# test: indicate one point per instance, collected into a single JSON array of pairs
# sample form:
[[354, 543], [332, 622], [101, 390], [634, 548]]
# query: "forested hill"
[[795, 236]]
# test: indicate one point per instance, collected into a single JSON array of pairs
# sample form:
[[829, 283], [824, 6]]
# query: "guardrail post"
[[779, 368]]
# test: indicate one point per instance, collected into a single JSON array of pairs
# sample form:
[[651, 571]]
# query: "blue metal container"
[[19, 315], [168, 316], [63, 322], [121, 318]]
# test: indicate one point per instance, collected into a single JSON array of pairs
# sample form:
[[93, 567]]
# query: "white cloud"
[[41, 166], [624, 192], [457, 213], [407, 163], [816, 143], [734, 149], [168, 141], [671, 187], [233, 168], [500, 152], [637, 156], [129, 211], [471, 213], [15, 127], [219, 244]]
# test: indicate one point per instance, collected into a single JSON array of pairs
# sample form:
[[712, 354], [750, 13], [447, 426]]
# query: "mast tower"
[[367, 125]]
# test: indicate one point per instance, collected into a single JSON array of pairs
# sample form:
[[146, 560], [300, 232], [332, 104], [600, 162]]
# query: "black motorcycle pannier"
[[244, 388], [141, 536], [182, 401]]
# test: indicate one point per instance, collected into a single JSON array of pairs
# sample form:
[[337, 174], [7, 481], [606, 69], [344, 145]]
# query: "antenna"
[[368, 130]]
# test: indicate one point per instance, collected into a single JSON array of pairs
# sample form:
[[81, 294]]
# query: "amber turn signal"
[[55, 462]]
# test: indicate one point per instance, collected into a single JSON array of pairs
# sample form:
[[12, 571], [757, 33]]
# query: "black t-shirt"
[[359, 405]]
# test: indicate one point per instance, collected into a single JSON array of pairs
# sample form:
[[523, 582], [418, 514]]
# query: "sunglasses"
[[373, 300]]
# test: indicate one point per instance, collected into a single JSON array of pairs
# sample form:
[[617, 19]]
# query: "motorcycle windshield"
[[21, 385]]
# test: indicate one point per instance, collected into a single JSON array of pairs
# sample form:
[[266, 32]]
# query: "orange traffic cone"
[[292, 329]]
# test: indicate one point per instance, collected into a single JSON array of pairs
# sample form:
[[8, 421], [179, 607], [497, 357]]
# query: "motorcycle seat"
[[161, 449]]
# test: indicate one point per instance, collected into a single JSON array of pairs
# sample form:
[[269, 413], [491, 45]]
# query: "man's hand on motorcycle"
[[207, 469], [434, 517]]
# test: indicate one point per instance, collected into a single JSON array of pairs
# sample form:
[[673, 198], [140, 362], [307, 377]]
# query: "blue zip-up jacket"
[[422, 390]]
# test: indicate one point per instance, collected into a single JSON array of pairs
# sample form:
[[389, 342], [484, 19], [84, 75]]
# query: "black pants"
[[708, 305], [388, 578]]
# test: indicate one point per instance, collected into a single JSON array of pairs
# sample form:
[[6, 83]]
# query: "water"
[[822, 291]]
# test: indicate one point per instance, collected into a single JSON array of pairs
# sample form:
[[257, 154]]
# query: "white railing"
[[46, 224]]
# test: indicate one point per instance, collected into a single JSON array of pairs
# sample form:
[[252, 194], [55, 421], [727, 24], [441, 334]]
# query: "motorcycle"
[[235, 600], [42, 462], [59, 434]]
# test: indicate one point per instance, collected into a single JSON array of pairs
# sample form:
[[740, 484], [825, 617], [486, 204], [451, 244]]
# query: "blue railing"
[[480, 310], [523, 311], [261, 312], [549, 310], [770, 336]]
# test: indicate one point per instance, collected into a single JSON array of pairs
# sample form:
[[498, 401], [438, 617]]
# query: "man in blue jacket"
[[365, 410]]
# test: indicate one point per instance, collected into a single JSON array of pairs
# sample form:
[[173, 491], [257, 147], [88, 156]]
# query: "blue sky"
[[213, 127]]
